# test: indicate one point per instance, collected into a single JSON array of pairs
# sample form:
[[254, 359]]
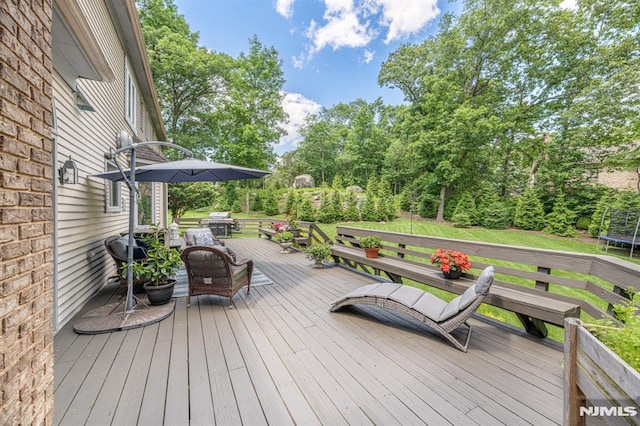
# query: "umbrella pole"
[[129, 307]]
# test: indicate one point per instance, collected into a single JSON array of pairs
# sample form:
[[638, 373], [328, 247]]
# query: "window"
[[114, 192], [146, 204], [131, 99]]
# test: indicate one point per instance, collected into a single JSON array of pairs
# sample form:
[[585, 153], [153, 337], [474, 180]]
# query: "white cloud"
[[368, 56], [285, 8], [356, 23], [406, 17], [298, 108], [342, 27]]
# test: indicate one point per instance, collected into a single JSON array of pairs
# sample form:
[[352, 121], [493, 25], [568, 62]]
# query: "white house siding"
[[83, 265]]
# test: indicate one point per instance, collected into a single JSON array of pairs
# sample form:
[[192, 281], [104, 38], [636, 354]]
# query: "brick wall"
[[26, 306]]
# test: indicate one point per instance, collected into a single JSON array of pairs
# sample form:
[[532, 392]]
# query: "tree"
[[560, 220], [190, 80], [529, 212], [563, 84], [186, 196]]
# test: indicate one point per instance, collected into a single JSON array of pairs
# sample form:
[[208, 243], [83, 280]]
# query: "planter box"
[[597, 382]]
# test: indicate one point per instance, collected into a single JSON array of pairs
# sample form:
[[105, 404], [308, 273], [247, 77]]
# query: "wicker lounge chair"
[[442, 316], [212, 270]]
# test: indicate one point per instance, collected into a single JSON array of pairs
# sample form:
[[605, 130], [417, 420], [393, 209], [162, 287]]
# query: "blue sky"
[[331, 50]]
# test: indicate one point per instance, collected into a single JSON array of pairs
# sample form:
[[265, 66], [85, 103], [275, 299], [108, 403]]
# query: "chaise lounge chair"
[[442, 316]]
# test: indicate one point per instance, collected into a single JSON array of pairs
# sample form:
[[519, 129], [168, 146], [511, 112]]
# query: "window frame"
[[109, 189], [131, 99]]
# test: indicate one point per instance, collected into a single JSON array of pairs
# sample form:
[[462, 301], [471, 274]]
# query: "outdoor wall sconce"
[[68, 172]]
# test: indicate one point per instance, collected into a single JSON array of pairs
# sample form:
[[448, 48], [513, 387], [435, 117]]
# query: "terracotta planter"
[[372, 252], [159, 294]]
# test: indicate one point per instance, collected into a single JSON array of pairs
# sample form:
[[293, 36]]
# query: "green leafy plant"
[[370, 241], [318, 251], [283, 237], [161, 263], [623, 340]]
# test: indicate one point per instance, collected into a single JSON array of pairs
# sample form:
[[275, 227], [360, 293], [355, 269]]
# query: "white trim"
[[109, 188], [130, 98]]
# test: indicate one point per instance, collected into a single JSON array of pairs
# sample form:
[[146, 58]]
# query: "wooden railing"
[[543, 271], [596, 381]]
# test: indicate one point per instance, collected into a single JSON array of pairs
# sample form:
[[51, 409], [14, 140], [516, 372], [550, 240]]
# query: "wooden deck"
[[280, 357]]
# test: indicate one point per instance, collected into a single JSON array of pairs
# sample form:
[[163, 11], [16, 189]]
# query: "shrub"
[[583, 223], [494, 214], [560, 220], [305, 209], [351, 212], [271, 204], [529, 212], [463, 215]]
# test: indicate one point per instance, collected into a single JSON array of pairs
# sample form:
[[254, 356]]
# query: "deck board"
[[280, 357]]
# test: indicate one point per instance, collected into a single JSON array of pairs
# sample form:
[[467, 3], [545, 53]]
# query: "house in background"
[[73, 78], [103, 95]]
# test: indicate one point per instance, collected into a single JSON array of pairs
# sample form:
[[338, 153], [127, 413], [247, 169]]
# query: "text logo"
[[609, 411]]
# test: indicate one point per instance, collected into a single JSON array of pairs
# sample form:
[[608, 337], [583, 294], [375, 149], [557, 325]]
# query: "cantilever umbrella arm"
[[131, 183]]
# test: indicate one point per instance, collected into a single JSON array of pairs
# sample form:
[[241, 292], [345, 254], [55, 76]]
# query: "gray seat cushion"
[[480, 287]]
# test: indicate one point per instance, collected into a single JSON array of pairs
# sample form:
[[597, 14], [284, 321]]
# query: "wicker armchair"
[[211, 270], [116, 246]]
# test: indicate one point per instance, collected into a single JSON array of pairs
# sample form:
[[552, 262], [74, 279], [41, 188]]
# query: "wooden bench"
[[302, 240], [405, 256]]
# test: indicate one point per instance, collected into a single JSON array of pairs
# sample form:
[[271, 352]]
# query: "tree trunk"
[[440, 215]]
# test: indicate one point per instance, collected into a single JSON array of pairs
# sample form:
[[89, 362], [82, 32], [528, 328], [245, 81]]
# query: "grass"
[[513, 237]]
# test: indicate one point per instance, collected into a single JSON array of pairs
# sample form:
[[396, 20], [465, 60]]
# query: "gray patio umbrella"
[[188, 170]]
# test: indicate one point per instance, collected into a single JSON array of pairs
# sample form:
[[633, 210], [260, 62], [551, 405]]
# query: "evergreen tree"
[[291, 203], [493, 213], [351, 212], [305, 209], [560, 220], [271, 204], [337, 183], [529, 212], [325, 213], [257, 205], [336, 207], [465, 211], [368, 212]]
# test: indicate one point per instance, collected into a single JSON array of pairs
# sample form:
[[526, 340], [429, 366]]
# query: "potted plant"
[[452, 263], [293, 226], [162, 263], [284, 238], [371, 245], [318, 252]]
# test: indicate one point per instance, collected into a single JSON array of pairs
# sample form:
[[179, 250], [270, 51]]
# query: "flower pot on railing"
[[452, 275], [371, 252]]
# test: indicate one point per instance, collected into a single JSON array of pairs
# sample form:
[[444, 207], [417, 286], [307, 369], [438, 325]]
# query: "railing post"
[[543, 285], [573, 396]]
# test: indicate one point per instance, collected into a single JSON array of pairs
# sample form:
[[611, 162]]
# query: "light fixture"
[[68, 173]]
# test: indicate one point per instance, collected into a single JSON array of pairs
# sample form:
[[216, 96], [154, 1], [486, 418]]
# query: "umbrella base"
[[113, 317]]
